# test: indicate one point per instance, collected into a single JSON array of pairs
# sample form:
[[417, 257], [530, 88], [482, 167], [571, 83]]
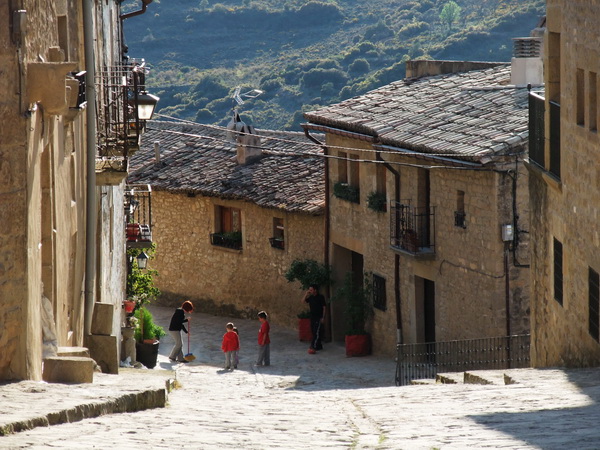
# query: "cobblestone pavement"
[[328, 401]]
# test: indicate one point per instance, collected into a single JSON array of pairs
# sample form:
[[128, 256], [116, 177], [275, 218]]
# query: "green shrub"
[[308, 272], [377, 201], [146, 328], [360, 66]]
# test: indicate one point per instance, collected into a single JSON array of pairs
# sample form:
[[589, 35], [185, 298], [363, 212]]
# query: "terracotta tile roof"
[[196, 158], [464, 115]]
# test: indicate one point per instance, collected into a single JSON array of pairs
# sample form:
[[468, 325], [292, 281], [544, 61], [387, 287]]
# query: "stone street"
[[317, 401]]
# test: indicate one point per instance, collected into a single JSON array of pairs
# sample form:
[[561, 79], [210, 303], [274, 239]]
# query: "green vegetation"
[[306, 54], [308, 272]]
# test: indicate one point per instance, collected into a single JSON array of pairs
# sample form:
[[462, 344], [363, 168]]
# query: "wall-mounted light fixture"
[[142, 260], [146, 103]]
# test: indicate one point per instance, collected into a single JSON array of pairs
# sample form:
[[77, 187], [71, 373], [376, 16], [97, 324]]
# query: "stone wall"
[[468, 268], [566, 209], [43, 184], [236, 283]]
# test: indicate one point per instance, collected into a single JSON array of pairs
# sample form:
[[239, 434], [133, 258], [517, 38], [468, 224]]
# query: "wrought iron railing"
[[537, 133], [460, 219], [277, 242], [426, 360], [232, 240], [555, 139], [118, 127], [138, 215], [412, 229]]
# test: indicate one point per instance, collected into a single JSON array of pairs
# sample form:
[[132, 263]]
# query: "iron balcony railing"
[[118, 124], [426, 360], [232, 240], [537, 138], [412, 229], [138, 216]]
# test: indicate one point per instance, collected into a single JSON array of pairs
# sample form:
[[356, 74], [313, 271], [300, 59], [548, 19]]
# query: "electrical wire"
[[271, 151]]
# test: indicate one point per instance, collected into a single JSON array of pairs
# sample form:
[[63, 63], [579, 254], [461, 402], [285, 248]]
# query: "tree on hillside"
[[450, 14]]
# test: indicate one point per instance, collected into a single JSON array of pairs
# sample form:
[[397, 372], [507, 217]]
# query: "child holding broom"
[[176, 327]]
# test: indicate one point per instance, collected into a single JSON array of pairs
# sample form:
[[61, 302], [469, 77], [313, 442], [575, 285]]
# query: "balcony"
[[231, 240], [536, 129], [119, 124], [412, 230], [138, 216]]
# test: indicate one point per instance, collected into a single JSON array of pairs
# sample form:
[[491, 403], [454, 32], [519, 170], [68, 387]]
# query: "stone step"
[[68, 369], [450, 378], [73, 351], [496, 377]]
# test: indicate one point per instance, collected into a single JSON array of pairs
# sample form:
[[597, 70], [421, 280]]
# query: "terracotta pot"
[[129, 306], [358, 345], [304, 332]]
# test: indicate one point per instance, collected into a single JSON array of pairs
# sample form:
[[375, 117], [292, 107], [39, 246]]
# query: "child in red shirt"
[[264, 357], [230, 345]]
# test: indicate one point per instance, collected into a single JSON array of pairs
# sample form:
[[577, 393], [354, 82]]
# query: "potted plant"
[[377, 201], [147, 336], [307, 272], [304, 332], [358, 309], [140, 289]]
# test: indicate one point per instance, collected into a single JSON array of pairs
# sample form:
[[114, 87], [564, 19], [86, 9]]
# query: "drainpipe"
[[398, 299], [90, 237], [327, 221], [145, 4], [122, 17]]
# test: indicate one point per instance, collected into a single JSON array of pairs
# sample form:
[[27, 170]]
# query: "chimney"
[[248, 146], [527, 66]]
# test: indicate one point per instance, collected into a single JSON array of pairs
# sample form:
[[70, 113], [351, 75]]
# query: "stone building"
[[229, 219], [565, 191], [62, 241], [428, 197]]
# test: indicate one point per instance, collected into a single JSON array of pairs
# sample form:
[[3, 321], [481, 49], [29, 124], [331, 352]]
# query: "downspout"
[[327, 221], [398, 299], [90, 237], [122, 17], [515, 213]]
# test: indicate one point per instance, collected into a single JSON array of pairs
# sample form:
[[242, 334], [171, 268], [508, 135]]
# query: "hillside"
[[303, 54]]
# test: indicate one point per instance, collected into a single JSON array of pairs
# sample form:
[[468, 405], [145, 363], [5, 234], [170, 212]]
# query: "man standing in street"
[[316, 302]]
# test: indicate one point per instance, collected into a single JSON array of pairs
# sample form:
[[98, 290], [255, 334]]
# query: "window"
[[594, 302], [347, 186], [278, 239], [228, 228], [230, 219], [558, 271], [459, 215], [379, 298]]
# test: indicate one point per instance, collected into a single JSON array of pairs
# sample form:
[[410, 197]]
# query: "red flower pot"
[[304, 332], [358, 345]]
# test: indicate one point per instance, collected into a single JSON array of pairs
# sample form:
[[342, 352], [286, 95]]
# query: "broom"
[[189, 356]]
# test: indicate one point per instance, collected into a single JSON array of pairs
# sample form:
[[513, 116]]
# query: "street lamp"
[[142, 260], [145, 105]]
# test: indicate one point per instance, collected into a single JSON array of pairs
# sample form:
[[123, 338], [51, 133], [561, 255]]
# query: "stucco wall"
[[568, 209], [224, 281]]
